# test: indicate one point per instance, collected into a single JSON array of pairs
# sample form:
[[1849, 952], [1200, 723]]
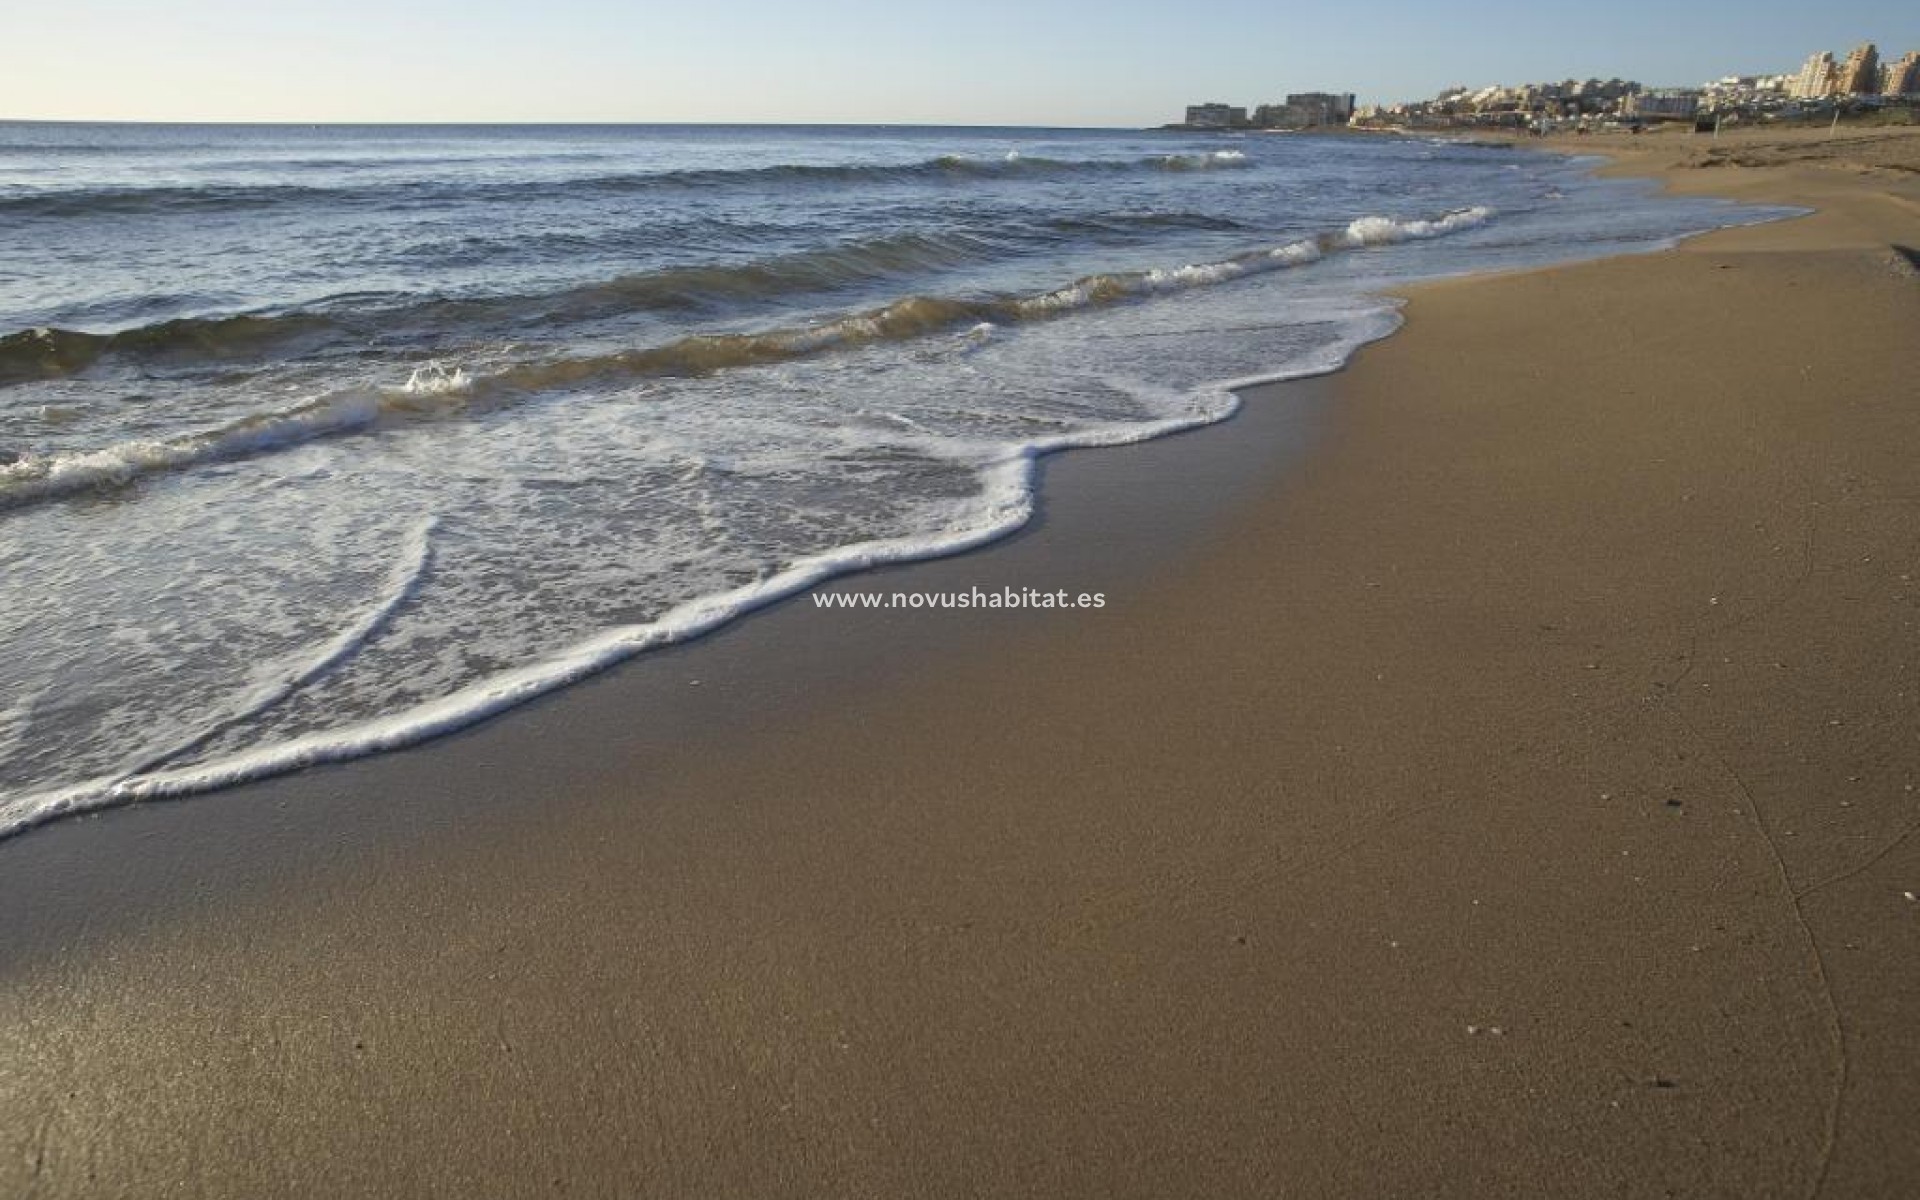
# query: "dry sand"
[[1514, 795]]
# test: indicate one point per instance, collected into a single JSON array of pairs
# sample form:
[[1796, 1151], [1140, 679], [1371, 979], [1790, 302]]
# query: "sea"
[[317, 441]]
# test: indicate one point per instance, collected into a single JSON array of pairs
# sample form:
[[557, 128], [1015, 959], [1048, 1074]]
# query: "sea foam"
[[1008, 482]]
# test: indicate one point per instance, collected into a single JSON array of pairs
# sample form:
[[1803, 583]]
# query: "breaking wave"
[[1383, 231], [706, 290], [52, 353], [435, 390]]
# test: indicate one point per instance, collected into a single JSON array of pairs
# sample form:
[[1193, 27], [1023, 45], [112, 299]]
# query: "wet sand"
[[1492, 774]]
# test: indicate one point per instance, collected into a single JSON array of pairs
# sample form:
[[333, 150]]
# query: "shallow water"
[[319, 440]]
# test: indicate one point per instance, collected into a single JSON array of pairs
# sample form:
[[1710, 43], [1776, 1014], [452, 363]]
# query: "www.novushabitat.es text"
[[1007, 597]]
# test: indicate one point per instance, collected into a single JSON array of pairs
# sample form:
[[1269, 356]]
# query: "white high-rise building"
[[1902, 78], [1860, 74], [1817, 78]]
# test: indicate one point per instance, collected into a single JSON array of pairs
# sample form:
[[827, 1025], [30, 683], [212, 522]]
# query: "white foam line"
[[403, 581], [1010, 484], [106, 791], [1359, 234], [37, 477], [1385, 231]]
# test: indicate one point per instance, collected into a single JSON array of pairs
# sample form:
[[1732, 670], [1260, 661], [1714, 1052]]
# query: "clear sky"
[[1122, 62]]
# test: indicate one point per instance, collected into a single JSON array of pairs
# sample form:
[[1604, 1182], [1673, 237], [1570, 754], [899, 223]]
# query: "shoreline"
[[1018, 475], [1091, 521], [492, 698], [1341, 856]]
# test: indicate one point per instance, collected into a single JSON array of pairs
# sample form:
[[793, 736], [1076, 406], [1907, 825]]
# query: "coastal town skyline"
[[1862, 74], [848, 61]]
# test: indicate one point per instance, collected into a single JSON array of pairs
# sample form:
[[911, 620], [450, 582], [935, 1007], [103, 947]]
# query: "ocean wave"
[[55, 353], [59, 202], [1218, 160], [436, 389], [1128, 224], [49, 353], [36, 477], [820, 270], [705, 290], [1384, 231], [130, 200]]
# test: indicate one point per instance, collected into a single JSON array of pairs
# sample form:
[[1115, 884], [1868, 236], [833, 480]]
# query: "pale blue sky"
[[1124, 62]]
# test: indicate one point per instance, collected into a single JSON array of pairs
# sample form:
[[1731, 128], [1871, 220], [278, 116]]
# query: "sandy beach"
[[1493, 773]]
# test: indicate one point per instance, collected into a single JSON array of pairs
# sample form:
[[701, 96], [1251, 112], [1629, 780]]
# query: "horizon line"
[[608, 124]]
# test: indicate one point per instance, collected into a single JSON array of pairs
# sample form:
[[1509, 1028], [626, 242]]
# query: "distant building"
[[1860, 74], [1324, 108], [1214, 115], [1595, 96], [1902, 78], [1732, 93], [1817, 78], [1670, 104], [1279, 116]]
